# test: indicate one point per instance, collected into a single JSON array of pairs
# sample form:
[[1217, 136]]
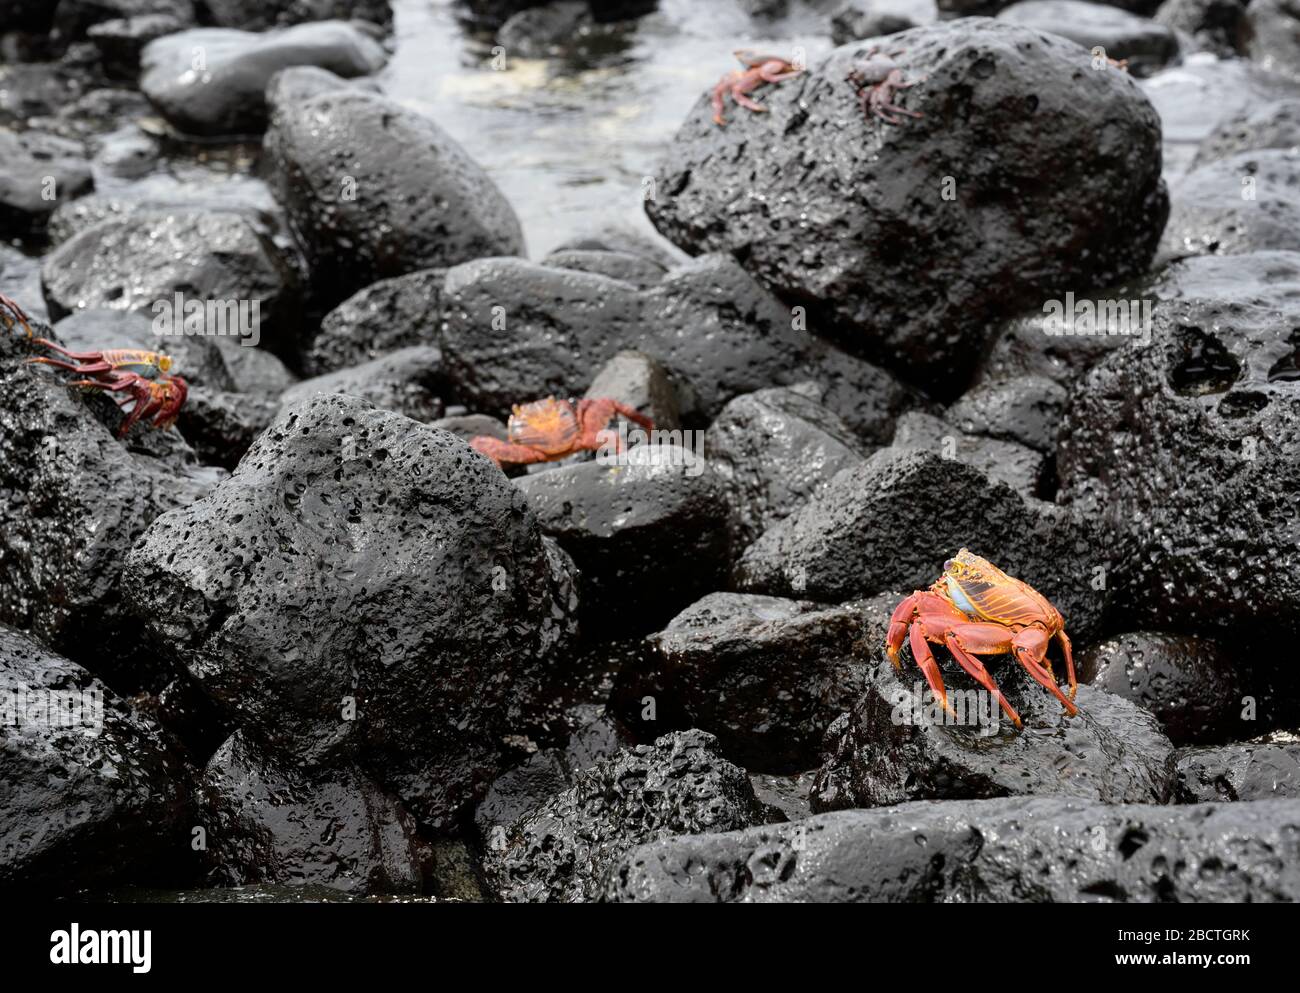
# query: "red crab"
[[549, 430], [759, 69], [973, 609], [877, 79], [11, 314], [143, 377]]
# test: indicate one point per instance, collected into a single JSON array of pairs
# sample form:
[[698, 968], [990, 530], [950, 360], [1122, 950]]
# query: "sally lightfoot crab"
[[878, 78], [549, 430], [974, 609], [144, 379], [759, 70]]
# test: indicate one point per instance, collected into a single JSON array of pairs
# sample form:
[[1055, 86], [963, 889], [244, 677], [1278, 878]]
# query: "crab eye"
[[949, 566], [165, 363]]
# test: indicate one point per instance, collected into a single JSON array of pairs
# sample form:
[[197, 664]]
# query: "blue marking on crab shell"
[[960, 598]]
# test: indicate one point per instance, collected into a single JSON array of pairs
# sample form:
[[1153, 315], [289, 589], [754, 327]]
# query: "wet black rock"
[[258, 15], [774, 450], [385, 316], [1187, 449], [851, 204], [1274, 125], [197, 358], [1253, 770], [221, 425], [680, 785], [375, 190], [641, 272], [1014, 850], [1023, 409], [563, 29], [93, 793], [1142, 43], [639, 381], [767, 676], [366, 586], [711, 326], [1194, 97], [1213, 25], [860, 19], [255, 370], [227, 95], [302, 82], [899, 745], [1020, 467], [890, 523], [268, 822], [623, 240], [73, 500], [407, 381], [1270, 35], [648, 535], [145, 259], [1248, 202], [20, 280], [1195, 688], [38, 172]]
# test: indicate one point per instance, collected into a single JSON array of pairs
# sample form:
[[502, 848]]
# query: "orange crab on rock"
[[973, 609], [549, 430], [759, 70]]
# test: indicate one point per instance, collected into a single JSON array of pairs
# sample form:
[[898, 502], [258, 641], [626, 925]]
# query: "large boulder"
[[374, 190], [212, 81], [408, 381], [898, 745], [268, 822], [1188, 447], [1247, 202], [146, 260], [92, 792], [1139, 41], [73, 500], [363, 587], [561, 851], [516, 330], [909, 239], [1019, 850], [385, 316], [1253, 770], [764, 674], [890, 522]]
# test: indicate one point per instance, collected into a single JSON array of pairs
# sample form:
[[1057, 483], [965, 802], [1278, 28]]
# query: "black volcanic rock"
[[385, 316], [1252, 770]]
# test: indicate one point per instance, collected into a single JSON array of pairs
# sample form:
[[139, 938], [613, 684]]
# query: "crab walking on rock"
[[973, 609], [549, 430], [759, 70]]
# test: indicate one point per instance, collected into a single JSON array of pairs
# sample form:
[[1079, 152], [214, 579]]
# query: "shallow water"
[[572, 146]]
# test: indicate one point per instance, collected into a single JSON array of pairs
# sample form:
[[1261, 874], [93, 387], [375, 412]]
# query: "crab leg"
[[976, 669], [11, 314], [1069, 661], [503, 451], [738, 95], [929, 667]]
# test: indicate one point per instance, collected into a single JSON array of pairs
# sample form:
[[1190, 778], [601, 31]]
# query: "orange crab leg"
[[11, 314], [503, 451], [976, 669], [929, 667], [1068, 651], [1028, 646]]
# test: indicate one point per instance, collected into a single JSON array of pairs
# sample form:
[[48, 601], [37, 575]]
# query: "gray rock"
[[227, 94], [648, 535], [1018, 850], [897, 745], [407, 381], [711, 326], [75, 19], [641, 272], [302, 82], [858, 19], [1213, 25], [774, 450], [1269, 35], [20, 280], [1193, 686], [1186, 449], [98, 799], [142, 261], [637, 380], [358, 559], [268, 822], [467, 426], [1248, 202], [255, 370], [561, 851], [850, 205], [1274, 125], [121, 41], [1253, 770], [385, 316], [258, 15], [1019, 466], [766, 675], [407, 198], [1141, 42], [38, 172], [890, 523], [1025, 410]]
